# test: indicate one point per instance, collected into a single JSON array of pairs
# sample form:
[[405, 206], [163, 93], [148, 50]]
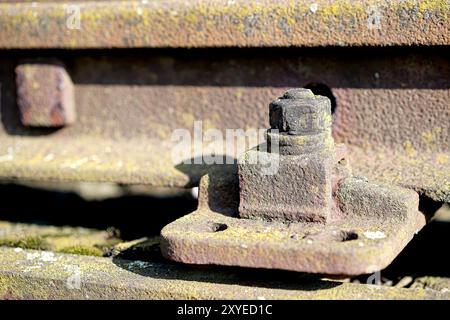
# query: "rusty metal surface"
[[305, 213], [91, 159], [30, 274], [215, 235], [220, 23], [292, 179], [392, 110], [45, 94], [426, 173]]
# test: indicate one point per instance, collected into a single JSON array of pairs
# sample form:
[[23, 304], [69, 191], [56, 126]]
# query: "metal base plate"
[[214, 234]]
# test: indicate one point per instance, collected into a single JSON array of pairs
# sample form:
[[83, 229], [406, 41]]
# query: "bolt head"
[[45, 94]]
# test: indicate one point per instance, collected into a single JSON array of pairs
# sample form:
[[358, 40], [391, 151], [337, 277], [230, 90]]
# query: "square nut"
[[300, 190], [45, 94]]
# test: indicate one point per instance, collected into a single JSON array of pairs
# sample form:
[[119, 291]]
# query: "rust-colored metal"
[[45, 94], [306, 214], [360, 244], [290, 177], [223, 23], [391, 111]]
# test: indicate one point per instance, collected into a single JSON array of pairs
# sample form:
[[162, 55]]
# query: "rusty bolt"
[[302, 122], [45, 94], [307, 160], [299, 111]]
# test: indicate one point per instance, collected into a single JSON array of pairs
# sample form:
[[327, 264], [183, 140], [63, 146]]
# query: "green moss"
[[57, 239], [82, 250], [37, 243]]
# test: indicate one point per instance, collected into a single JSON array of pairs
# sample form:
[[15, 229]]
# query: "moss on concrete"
[[102, 278], [81, 250], [441, 284], [58, 239], [28, 242]]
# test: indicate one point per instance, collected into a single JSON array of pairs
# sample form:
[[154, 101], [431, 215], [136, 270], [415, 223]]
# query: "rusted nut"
[[45, 94], [300, 123], [300, 112]]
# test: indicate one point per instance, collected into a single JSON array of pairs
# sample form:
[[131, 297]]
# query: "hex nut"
[[300, 112]]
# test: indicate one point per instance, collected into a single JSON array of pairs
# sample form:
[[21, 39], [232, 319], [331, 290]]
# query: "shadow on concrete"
[[161, 268]]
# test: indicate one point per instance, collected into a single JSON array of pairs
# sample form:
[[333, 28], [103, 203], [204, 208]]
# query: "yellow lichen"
[[431, 136], [442, 158], [187, 119], [410, 151]]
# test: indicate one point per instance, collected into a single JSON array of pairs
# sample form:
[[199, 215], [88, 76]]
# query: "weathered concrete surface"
[[220, 23], [30, 274], [441, 284], [59, 239]]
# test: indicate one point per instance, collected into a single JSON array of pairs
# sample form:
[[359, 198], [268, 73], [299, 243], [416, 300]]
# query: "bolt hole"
[[335, 235], [323, 90], [218, 227], [349, 235]]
